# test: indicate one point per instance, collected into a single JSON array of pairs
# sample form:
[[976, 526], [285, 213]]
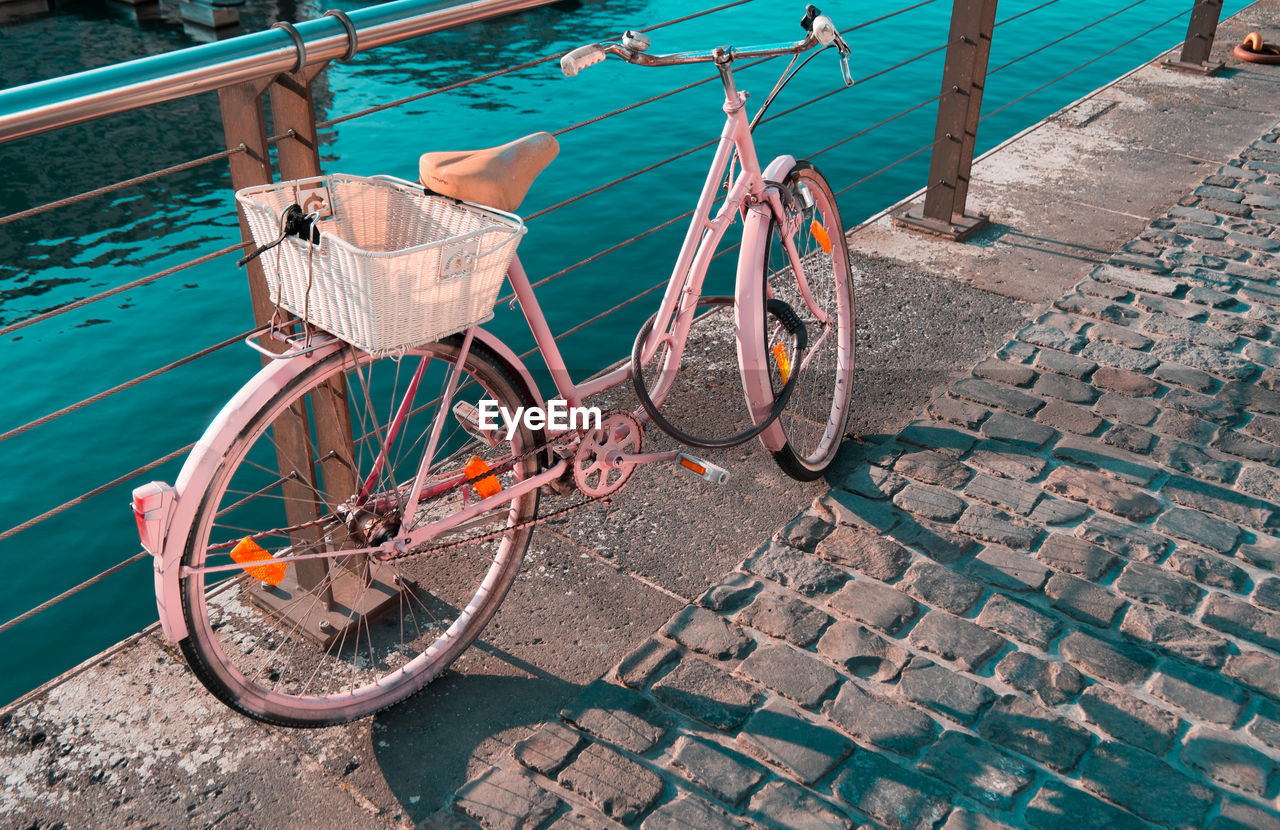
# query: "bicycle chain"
[[536, 520]]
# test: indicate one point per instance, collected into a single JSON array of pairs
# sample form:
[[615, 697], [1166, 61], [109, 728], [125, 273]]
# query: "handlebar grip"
[[580, 58]]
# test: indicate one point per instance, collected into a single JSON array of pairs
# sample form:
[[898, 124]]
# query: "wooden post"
[[955, 135], [243, 123]]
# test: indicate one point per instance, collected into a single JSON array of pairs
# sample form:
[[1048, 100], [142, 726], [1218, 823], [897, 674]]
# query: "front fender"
[[748, 303]]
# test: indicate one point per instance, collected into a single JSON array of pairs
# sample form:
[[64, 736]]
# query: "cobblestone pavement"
[[1050, 601]]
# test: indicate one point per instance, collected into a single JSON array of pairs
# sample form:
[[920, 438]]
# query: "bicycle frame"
[[754, 194]]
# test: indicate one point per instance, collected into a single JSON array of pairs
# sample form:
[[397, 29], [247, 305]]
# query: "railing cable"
[[70, 592], [128, 384], [121, 185], [1068, 35], [111, 292], [97, 491], [497, 73]]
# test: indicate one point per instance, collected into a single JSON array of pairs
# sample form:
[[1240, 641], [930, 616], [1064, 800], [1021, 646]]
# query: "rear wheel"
[[815, 418], [337, 638]]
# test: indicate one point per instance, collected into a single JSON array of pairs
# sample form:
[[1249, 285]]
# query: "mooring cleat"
[[704, 470]]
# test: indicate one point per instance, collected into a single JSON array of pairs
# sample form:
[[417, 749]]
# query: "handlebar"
[[633, 47]]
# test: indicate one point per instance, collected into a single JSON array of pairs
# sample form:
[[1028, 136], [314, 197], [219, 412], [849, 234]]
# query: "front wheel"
[[326, 465], [815, 280]]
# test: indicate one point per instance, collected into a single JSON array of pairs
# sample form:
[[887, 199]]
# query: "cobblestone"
[[867, 553], [730, 594], [1197, 527], [883, 721], [992, 525], [1013, 619], [1207, 568], [786, 805], [900, 798], [806, 532], [930, 502], [876, 605], [1135, 385], [987, 774], [1051, 682], [951, 638], [1237, 617], [1119, 357], [1098, 491], [706, 693], [943, 690], [791, 568], [716, 770], [1260, 481], [1002, 371], [690, 811], [1075, 556], [1185, 458], [1064, 388], [1115, 462], [1130, 719], [617, 715], [1063, 363], [1083, 600], [997, 396], [547, 749], [786, 618], [1051, 337], [1136, 543], [1120, 664], [1069, 418], [1146, 785], [1014, 496], [1008, 570], [1129, 438], [505, 800], [1256, 670], [1059, 807], [1202, 694], [1119, 407], [805, 749], [1224, 759], [861, 652], [1240, 815], [940, 586], [1020, 432], [1174, 635], [617, 786], [933, 468], [1244, 446], [1156, 585], [1018, 724], [1265, 725], [1136, 280], [700, 630], [793, 674], [648, 659], [1119, 335]]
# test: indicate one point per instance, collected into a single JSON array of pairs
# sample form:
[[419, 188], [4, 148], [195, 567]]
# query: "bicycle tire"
[[274, 672], [816, 416]]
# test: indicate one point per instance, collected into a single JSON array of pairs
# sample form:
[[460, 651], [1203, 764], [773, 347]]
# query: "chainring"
[[596, 469]]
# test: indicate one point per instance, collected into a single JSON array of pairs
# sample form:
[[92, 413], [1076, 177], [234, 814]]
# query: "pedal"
[[704, 470], [469, 418]]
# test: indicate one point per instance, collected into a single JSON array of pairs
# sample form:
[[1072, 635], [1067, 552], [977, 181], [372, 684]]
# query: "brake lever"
[[843, 49]]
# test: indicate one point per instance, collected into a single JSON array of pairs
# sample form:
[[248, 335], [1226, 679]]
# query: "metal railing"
[[281, 65]]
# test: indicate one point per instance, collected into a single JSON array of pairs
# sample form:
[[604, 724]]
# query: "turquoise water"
[[56, 259]]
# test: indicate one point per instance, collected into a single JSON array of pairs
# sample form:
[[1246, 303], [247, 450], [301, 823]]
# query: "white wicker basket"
[[394, 268]]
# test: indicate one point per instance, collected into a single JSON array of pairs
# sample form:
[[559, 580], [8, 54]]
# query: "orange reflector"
[[690, 464], [247, 550], [820, 234], [784, 364], [487, 486]]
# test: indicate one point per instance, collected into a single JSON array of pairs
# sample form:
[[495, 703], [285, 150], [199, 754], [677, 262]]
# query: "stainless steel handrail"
[[71, 99]]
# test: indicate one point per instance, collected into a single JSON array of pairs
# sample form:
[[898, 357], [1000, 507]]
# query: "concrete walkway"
[[1050, 602], [1041, 591]]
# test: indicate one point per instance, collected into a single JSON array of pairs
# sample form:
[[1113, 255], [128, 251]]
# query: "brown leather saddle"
[[498, 176]]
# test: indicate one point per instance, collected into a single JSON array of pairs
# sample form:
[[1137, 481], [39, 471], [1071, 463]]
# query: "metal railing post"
[[243, 123], [1201, 30], [963, 78]]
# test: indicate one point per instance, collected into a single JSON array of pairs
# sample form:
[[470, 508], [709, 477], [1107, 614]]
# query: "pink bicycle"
[[313, 581]]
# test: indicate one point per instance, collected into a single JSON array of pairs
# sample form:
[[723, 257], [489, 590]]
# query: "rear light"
[[152, 505]]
